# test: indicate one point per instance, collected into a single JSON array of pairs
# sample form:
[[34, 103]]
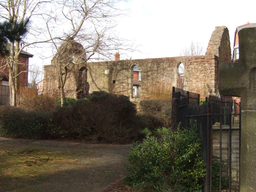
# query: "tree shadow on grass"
[[92, 179], [94, 168]]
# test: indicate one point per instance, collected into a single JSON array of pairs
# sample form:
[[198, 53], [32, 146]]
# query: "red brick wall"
[[23, 77], [3, 71]]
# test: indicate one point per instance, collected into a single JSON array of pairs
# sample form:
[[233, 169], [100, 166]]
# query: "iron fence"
[[219, 126]]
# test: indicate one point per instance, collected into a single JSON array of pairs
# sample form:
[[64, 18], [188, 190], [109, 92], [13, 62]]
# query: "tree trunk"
[[16, 71], [62, 94], [12, 89], [11, 64], [61, 86]]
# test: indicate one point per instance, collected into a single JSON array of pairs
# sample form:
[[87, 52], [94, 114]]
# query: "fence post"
[[186, 110], [230, 144], [188, 97], [240, 114], [208, 183], [175, 110], [222, 120]]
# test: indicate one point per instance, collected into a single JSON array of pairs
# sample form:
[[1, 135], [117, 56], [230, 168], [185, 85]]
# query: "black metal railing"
[[219, 126]]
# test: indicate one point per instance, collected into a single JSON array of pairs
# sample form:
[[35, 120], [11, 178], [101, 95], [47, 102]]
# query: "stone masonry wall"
[[200, 76], [219, 47], [50, 85], [51, 82], [158, 76]]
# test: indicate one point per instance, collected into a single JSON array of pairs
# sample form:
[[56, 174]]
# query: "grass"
[[33, 164]]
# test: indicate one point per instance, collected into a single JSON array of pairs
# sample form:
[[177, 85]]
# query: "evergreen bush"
[[101, 117], [172, 162], [160, 108], [18, 123], [57, 101], [216, 176]]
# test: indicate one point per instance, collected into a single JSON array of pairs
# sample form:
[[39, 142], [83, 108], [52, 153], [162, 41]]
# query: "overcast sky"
[[163, 28]]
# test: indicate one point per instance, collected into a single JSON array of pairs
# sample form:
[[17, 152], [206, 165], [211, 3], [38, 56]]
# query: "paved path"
[[103, 165]]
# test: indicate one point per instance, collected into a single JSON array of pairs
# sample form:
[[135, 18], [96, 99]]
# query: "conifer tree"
[[11, 33]]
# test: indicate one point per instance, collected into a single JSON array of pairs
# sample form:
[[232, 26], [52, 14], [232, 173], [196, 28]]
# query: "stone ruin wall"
[[50, 86], [219, 46], [199, 76], [158, 76]]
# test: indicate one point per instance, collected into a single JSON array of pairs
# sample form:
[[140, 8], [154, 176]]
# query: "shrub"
[[157, 132], [160, 108], [202, 101], [57, 101], [152, 122], [216, 176], [38, 103], [102, 117], [15, 122], [172, 162]]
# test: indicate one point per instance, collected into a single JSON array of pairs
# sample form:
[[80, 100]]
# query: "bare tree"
[[87, 35], [35, 74], [86, 22], [17, 13], [193, 49]]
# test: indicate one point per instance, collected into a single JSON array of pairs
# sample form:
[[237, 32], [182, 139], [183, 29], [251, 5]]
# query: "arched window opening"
[[180, 82], [136, 87]]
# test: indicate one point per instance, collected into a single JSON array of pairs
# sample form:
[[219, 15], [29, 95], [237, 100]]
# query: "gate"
[[219, 126]]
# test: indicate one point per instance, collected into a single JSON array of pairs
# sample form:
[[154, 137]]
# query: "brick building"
[[23, 78], [148, 78], [23, 67], [235, 56]]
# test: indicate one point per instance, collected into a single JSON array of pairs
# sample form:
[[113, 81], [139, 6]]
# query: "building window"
[[181, 69], [136, 83], [135, 91], [236, 53], [136, 74], [135, 68], [6, 83], [180, 81]]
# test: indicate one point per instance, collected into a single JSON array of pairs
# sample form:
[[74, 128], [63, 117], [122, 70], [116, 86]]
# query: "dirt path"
[[95, 166]]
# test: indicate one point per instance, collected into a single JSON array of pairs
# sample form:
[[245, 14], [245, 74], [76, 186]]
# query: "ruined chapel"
[[144, 79]]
